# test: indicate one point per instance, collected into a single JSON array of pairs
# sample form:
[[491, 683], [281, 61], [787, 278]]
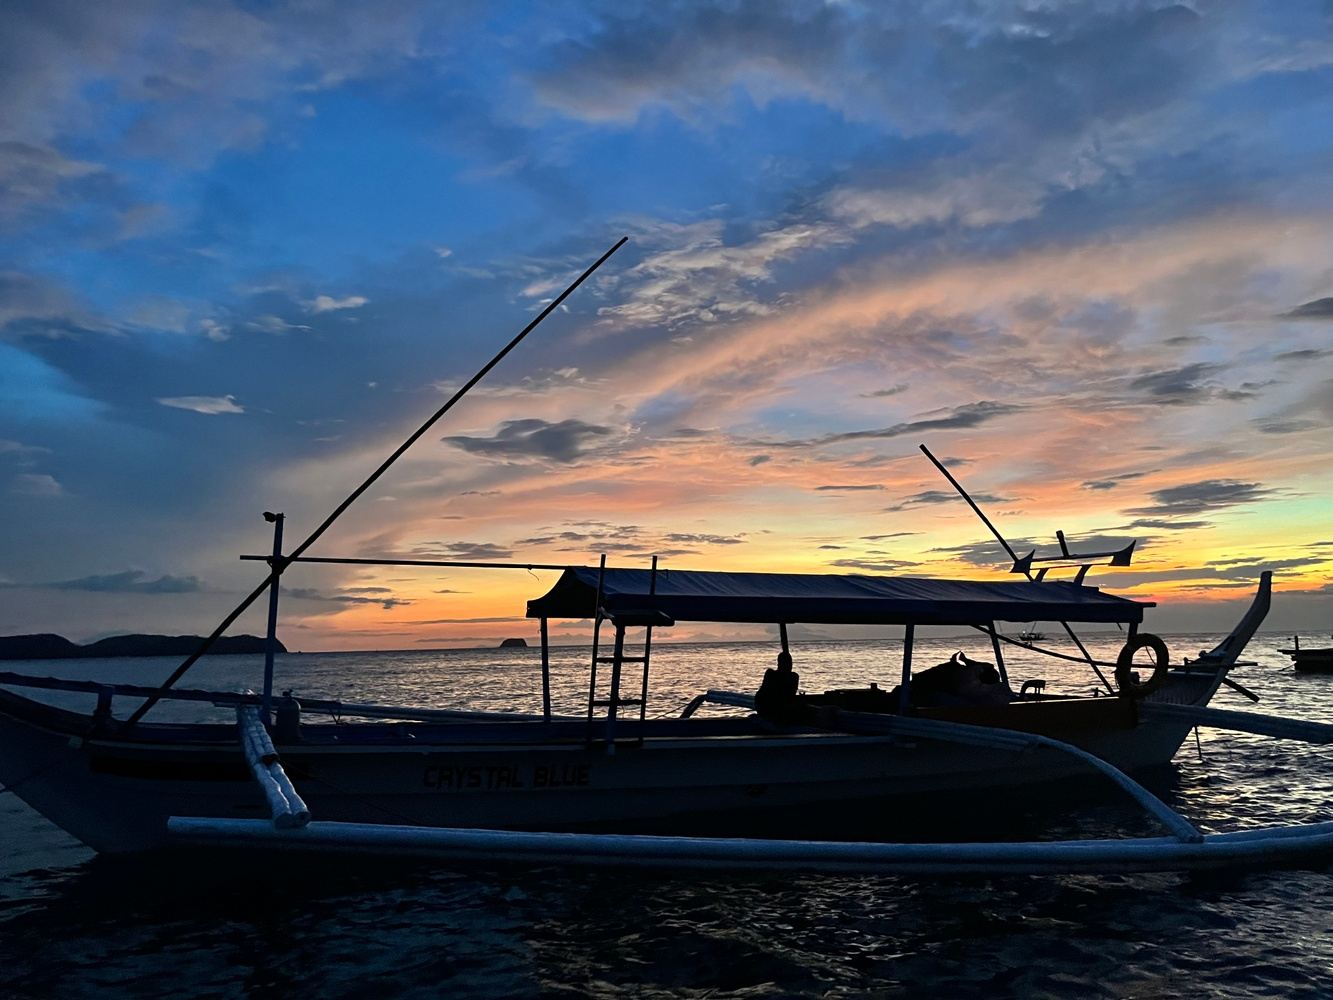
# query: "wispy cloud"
[[1176, 386], [352, 597], [892, 390], [960, 417], [872, 565], [1201, 497], [933, 497], [696, 538], [271, 323], [463, 551], [564, 441], [590, 537], [1111, 482], [210, 405], [20, 449], [36, 484], [1160, 524], [1316, 309], [31, 175], [1303, 354], [327, 303], [129, 582], [506, 619], [694, 275]]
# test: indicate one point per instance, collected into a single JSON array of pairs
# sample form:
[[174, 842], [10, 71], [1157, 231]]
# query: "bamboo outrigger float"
[[542, 787]]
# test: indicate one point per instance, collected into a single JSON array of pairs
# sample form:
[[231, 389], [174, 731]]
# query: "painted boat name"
[[492, 777]]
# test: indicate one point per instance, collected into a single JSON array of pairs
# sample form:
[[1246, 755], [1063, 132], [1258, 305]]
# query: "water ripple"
[[76, 926]]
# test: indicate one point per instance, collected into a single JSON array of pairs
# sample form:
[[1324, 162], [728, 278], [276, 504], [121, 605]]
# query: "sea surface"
[[76, 925]]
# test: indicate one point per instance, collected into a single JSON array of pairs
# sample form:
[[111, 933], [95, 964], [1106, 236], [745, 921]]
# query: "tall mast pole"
[[271, 637], [324, 525]]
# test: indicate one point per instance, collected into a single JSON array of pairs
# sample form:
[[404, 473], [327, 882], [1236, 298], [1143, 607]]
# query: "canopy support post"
[[546, 672], [613, 700], [999, 656], [596, 636], [905, 687], [647, 655], [1088, 657]]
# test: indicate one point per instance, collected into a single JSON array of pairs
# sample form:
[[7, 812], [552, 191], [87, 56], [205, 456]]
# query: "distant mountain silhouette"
[[47, 646], [514, 643]]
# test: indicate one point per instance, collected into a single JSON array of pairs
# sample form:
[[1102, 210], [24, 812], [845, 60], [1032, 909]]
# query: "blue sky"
[[1081, 249]]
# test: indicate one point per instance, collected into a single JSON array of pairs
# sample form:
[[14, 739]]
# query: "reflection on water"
[[74, 925]]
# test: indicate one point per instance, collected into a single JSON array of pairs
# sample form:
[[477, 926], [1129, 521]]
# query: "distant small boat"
[[1311, 659], [1031, 635]]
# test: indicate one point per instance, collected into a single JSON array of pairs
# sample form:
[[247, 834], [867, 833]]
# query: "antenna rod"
[[276, 570], [970, 502], [1009, 549]]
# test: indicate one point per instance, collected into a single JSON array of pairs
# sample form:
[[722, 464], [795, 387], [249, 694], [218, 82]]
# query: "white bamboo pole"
[[285, 803], [1244, 722], [462, 846]]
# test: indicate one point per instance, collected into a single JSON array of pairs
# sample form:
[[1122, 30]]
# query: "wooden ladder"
[[621, 619]]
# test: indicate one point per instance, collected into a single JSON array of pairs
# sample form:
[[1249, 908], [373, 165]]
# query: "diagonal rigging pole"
[[1009, 549], [310, 540]]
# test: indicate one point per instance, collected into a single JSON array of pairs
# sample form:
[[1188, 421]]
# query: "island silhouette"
[[48, 646]]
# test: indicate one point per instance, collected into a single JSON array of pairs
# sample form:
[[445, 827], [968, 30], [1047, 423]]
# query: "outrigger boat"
[[544, 788], [1309, 659]]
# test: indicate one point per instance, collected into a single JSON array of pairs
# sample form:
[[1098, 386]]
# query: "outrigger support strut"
[[870, 724], [1317, 733]]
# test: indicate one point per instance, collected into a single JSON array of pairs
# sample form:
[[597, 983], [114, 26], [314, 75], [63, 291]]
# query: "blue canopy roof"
[[842, 599]]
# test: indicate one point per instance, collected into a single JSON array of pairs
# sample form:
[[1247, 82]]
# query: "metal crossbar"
[[230, 699]]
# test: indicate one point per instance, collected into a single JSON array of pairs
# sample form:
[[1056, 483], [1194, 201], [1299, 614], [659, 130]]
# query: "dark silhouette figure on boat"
[[776, 698], [957, 681]]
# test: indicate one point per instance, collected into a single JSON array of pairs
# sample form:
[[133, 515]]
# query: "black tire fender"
[[1124, 666]]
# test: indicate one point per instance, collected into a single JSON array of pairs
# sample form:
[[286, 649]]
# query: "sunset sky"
[[1083, 251]]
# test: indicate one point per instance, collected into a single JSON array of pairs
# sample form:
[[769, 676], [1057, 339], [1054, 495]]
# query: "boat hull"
[[116, 795], [1311, 661]]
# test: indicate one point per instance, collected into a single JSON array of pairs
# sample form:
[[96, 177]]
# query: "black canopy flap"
[[850, 599]]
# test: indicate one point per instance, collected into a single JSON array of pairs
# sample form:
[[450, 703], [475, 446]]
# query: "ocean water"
[[76, 925]]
